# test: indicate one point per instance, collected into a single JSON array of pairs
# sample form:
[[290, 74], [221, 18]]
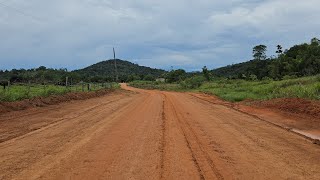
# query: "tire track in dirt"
[[199, 155], [266, 142], [163, 141]]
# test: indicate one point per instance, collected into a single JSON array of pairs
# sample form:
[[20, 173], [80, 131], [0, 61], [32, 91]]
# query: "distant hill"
[[126, 69], [299, 60], [101, 72], [256, 67]]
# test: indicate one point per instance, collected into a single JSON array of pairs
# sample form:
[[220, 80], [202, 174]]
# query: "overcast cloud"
[[180, 33]]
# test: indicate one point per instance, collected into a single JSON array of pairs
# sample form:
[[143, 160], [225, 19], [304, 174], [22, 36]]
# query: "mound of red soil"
[[44, 101], [292, 105]]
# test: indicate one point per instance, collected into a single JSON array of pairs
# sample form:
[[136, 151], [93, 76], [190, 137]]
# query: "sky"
[[186, 34]]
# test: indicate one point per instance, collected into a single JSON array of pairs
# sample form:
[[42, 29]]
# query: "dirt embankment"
[[51, 100], [292, 105]]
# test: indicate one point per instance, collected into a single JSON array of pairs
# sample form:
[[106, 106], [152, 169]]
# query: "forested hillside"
[[299, 60], [101, 72], [127, 71]]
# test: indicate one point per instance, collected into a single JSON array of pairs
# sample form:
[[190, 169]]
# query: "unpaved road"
[[149, 135]]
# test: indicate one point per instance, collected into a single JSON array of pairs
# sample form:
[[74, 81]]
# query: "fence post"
[[66, 81]]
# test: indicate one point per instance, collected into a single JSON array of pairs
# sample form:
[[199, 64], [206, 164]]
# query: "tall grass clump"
[[238, 90], [20, 92]]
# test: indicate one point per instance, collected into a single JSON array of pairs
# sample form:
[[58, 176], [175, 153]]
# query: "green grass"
[[155, 85], [239, 90], [20, 92]]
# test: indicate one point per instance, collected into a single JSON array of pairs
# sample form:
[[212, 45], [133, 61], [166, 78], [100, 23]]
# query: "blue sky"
[[181, 33]]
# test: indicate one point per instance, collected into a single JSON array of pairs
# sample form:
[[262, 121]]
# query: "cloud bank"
[[182, 33]]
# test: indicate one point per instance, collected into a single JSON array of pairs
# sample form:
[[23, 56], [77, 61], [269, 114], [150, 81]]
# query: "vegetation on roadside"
[[151, 85], [239, 90], [19, 92]]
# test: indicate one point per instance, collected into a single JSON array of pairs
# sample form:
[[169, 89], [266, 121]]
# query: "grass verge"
[[20, 92]]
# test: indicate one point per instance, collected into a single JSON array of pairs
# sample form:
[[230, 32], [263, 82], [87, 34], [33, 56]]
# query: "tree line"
[[99, 73], [297, 61]]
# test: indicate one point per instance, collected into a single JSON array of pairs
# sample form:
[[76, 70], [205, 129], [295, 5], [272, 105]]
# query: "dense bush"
[[193, 82]]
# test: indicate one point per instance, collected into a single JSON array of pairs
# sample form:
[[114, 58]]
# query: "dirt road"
[[149, 135]]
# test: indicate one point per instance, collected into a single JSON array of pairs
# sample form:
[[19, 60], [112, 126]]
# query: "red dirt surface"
[[300, 115], [150, 135], [51, 100], [292, 105]]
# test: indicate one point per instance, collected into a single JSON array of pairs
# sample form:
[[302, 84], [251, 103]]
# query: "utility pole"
[[115, 65]]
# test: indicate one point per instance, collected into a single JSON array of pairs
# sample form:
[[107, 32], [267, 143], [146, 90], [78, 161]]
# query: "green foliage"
[[176, 76], [259, 52], [149, 77], [127, 71], [20, 92], [300, 60], [238, 90], [98, 73], [132, 77], [206, 73], [155, 85], [193, 82]]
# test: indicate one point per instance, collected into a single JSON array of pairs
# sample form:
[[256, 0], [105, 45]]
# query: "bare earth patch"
[[299, 115]]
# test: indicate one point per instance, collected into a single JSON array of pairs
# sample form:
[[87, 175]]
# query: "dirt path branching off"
[[149, 135]]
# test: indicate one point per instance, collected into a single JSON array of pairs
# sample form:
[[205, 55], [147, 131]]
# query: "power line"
[[21, 12]]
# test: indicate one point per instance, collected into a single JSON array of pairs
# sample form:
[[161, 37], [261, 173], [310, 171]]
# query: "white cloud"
[[184, 33]]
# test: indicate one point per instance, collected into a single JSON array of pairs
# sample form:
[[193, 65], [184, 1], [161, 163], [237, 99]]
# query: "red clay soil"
[[51, 100], [294, 114], [292, 105]]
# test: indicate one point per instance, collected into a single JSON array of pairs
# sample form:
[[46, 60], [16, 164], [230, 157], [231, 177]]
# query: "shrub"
[[193, 82]]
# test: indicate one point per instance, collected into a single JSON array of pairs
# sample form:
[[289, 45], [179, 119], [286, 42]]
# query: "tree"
[[176, 75], [259, 52], [315, 41], [41, 68], [149, 77], [279, 50], [206, 73]]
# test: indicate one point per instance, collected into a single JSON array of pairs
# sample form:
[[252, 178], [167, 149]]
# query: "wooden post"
[[66, 81]]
